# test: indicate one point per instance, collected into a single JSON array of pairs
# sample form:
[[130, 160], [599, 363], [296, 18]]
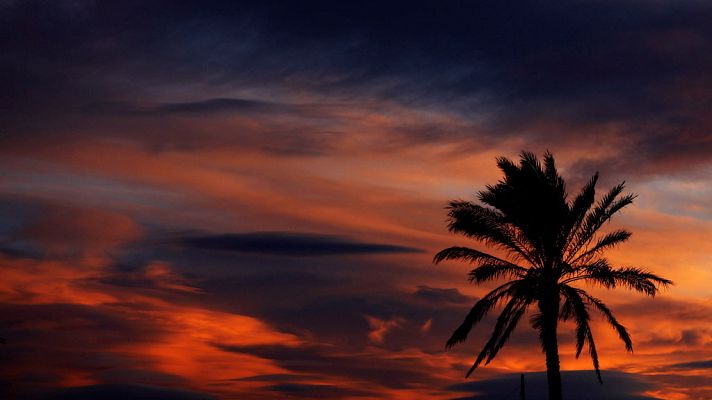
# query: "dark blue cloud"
[[705, 364], [289, 244], [204, 107], [309, 391], [277, 378], [336, 310], [531, 69], [440, 295], [217, 105], [122, 392], [75, 346], [329, 361]]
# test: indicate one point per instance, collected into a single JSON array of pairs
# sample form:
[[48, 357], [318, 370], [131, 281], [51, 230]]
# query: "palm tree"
[[551, 245]]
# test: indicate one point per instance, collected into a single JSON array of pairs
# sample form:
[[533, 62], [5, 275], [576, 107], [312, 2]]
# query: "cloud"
[[440, 295], [206, 107], [289, 244], [426, 326], [65, 230], [105, 333], [379, 328], [561, 77], [123, 391], [279, 377], [705, 364], [217, 105], [373, 366], [156, 275], [309, 391]]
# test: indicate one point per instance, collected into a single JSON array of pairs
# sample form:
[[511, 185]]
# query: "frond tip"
[[640, 280]]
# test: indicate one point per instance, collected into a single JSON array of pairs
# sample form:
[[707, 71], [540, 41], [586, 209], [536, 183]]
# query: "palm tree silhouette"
[[550, 245]]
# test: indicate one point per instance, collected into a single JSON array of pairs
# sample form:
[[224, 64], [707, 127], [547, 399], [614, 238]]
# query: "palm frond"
[[594, 355], [537, 322], [533, 199], [467, 254], [640, 280], [579, 311], [552, 175], [620, 203], [530, 161], [583, 328], [507, 166], [477, 312], [597, 269], [582, 203], [632, 278], [490, 267], [506, 322], [507, 332], [566, 313], [550, 167], [485, 225], [608, 241], [603, 309], [490, 271], [595, 218]]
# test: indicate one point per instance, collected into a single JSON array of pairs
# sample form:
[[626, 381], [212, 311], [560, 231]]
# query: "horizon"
[[242, 200]]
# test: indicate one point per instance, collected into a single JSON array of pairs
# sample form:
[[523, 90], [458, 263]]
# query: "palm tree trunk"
[[553, 374], [550, 312]]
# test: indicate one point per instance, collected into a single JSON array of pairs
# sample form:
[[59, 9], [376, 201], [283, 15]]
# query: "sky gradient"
[[241, 200]]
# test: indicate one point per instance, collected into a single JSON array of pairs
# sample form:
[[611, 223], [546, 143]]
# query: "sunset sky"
[[242, 200]]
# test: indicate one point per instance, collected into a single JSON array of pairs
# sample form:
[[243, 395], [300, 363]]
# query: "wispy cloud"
[[289, 244]]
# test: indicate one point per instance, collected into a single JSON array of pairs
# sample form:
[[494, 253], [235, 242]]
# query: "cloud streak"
[[289, 244]]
